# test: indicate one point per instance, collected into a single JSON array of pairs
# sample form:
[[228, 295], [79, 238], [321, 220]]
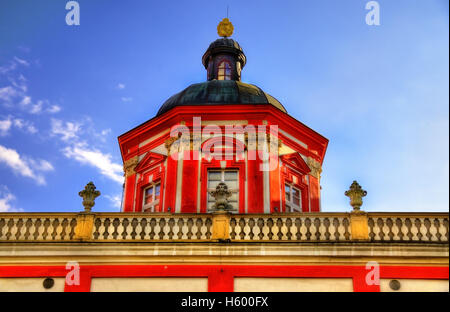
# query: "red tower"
[[222, 130]]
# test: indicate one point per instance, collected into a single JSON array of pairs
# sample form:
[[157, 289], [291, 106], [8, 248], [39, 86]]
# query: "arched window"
[[224, 72]]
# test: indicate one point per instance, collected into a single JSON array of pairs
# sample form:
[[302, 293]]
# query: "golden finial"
[[225, 28]]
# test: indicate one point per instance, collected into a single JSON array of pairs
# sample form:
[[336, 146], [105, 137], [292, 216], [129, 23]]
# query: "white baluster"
[[157, 230], [443, 230], [120, 229], [395, 230], [204, 229], [32, 229], [246, 230], [303, 230], [176, 229], [50, 229], [414, 230], [322, 229], [101, 229], [313, 230], [433, 231], [284, 229], [13, 229], [139, 229], [423, 231], [147, 229], [265, 230], [129, 229], [40, 230], [376, 230], [166, 230], [59, 229], [23, 230]]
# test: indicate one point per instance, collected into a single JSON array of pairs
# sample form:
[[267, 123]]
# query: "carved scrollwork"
[[129, 166], [314, 165]]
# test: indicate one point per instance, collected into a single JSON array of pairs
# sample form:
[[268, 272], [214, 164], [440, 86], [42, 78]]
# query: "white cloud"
[[116, 200], [7, 94], [15, 95], [40, 165], [31, 129], [8, 68], [36, 108], [5, 125], [24, 166], [21, 61], [126, 99], [21, 86], [79, 150], [81, 153], [13, 65], [26, 100], [121, 86], [54, 109], [25, 125], [5, 199], [67, 130]]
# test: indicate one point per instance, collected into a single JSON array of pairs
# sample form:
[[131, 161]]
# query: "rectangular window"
[[151, 198], [231, 179], [224, 72], [293, 198]]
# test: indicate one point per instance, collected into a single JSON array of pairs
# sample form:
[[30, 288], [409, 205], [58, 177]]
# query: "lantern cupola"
[[224, 58]]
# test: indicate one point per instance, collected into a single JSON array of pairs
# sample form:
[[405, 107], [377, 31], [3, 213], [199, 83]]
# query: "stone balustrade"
[[287, 227], [149, 227], [31, 227], [225, 227], [408, 227]]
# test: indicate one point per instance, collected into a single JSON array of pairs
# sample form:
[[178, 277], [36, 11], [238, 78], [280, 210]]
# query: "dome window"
[[224, 71]]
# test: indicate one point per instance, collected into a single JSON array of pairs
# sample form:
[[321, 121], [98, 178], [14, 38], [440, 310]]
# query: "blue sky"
[[378, 93]]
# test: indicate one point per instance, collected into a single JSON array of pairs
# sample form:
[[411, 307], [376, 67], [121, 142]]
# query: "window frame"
[[157, 175], [224, 75], [154, 202], [291, 204], [222, 179], [218, 164], [288, 176]]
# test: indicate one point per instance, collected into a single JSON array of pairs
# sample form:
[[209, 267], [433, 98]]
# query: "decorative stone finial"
[[225, 28], [221, 194], [356, 193], [89, 195]]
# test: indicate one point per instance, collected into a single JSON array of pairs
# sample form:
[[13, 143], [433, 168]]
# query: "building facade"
[[222, 130], [222, 193]]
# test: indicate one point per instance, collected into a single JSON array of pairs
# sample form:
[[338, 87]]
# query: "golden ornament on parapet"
[[225, 28]]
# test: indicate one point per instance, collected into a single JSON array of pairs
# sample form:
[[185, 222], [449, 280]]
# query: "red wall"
[[221, 277]]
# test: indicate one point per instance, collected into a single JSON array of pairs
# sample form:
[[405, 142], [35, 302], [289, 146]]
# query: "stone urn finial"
[[356, 193], [221, 194], [89, 195]]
